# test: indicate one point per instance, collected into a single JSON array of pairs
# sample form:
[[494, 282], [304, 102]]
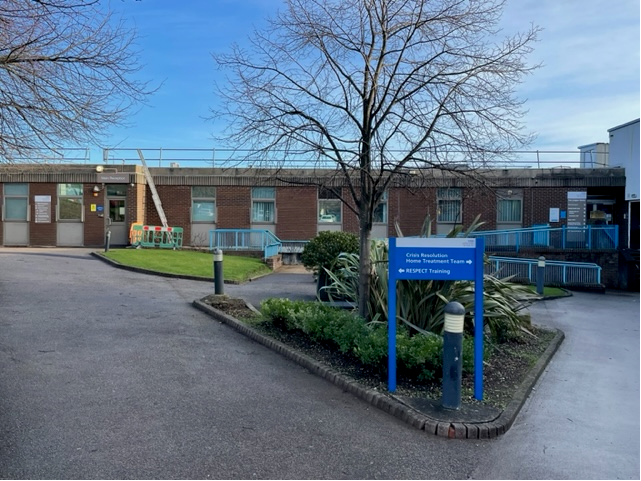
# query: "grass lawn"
[[549, 291], [192, 263]]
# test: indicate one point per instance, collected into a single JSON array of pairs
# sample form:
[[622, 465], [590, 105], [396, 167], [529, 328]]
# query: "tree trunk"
[[365, 229]]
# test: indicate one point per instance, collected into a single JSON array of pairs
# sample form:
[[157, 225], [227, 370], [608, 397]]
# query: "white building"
[[624, 152]]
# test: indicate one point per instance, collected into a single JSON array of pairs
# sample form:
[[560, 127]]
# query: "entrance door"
[[117, 214]]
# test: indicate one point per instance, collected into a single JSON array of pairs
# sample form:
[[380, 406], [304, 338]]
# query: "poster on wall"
[[42, 205]]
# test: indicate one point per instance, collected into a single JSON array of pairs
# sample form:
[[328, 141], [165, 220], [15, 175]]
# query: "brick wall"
[[297, 212], [94, 226], [233, 206], [409, 208], [176, 203], [350, 220], [43, 234], [479, 201], [538, 200]]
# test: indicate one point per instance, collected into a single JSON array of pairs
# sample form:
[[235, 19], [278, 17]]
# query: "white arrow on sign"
[[468, 261], [401, 270]]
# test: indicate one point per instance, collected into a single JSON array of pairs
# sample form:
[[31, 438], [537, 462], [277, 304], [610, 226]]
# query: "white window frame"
[[11, 196], [449, 196], [199, 198], [500, 220], [334, 215], [62, 195], [259, 197], [382, 204]]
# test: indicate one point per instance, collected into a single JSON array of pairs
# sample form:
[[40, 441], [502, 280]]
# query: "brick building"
[[70, 205]]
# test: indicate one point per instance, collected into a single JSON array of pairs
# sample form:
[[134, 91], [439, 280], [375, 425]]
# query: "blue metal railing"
[[556, 272], [245, 239], [590, 237]]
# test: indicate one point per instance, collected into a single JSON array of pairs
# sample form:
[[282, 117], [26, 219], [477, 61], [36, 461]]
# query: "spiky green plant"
[[421, 304]]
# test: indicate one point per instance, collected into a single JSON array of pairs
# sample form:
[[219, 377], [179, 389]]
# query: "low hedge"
[[419, 357]]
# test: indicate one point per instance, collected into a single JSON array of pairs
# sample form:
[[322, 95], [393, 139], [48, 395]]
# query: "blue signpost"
[[446, 259]]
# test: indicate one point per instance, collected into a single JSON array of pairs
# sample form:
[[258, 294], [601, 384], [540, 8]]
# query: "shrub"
[[322, 251], [419, 357], [320, 322], [281, 312]]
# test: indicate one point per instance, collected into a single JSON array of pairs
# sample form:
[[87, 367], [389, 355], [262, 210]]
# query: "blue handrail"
[[589, 237], [556, 272], [245, 239]]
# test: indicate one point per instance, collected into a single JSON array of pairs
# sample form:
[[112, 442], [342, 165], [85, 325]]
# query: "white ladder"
[[154, 192]]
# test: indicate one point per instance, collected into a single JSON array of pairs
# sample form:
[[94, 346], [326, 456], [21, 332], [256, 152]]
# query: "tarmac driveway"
[[106, 373]]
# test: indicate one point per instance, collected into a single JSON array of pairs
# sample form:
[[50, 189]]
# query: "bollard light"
[[540, 275], [219, 281], [453, 355]]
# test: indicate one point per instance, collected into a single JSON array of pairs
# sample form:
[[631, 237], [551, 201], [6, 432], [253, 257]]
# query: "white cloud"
[[590, 78]]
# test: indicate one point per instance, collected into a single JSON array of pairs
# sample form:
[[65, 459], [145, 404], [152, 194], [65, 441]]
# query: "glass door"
[[117, 214]]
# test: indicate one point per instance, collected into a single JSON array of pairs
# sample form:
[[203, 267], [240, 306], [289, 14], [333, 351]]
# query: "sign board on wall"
[[577, 209], [114, 178], [42, 204]]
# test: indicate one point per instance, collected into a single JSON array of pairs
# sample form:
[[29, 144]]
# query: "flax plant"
[[421, 304]]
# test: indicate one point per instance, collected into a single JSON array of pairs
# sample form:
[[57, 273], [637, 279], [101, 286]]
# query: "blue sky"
[[588, 84]]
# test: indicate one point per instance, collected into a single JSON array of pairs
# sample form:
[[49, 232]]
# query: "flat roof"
[[624, 125]]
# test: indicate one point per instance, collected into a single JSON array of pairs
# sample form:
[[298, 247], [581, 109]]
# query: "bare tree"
[[377, 87], [66, 74]]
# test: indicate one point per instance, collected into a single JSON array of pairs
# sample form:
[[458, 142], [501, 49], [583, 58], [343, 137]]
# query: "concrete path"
[[106, 373]]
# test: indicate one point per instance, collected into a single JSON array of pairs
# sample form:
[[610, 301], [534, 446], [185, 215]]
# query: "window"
[[329, 206], [264, 204], [16, 202], [117, 190], [70, 202], [203, 204], [380, 212], [449, 206], [509, 210]]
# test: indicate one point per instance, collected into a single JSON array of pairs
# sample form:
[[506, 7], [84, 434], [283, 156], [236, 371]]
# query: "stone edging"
[[419, 420]]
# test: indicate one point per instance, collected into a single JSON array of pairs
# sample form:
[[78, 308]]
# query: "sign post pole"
[[478, 320], [391, 317]]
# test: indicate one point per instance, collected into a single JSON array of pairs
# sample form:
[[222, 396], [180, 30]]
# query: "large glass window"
[[70, 202], [203, 204], [449, 206], [380, 212], [509, 210], [264, 204], [16, 202], [329, 206]]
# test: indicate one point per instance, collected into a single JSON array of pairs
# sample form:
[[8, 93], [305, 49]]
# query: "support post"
[[540, 275], [453, 355], [219, 281]]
